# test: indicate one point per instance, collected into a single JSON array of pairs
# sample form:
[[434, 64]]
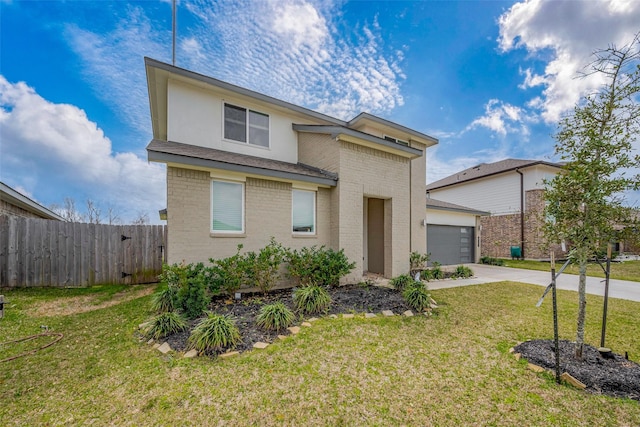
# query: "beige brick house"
[[243, 167], [512, 192]]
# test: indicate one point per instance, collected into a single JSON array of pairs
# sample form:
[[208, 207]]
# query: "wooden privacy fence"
[[40, 252]]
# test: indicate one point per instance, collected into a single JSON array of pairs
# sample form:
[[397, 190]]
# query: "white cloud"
[[290, 49], [113, 63], [501, 118], [569, 31], [64, 149]]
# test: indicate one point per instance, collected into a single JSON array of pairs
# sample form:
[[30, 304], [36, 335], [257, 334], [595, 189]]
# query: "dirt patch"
[[613, 376], [84, 303], [345, 299]]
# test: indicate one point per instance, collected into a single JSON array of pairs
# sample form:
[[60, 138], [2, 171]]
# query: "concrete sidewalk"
[[622, 289]]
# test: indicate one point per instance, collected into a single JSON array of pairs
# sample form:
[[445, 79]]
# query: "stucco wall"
[[195, 116]]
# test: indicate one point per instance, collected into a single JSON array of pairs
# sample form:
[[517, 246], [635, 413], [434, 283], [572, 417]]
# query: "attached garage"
[[451, 233], [451, 244]]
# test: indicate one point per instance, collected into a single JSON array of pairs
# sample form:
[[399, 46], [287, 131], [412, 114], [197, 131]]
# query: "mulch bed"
[[353, 298], [613, 376]]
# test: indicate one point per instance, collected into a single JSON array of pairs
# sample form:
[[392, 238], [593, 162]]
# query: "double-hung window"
[[303, 212], [244, 125], [227, 207]]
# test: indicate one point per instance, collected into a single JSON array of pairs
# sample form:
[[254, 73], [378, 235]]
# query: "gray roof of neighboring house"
[[487, 169], [15, 198], [175, 152], [446, 206]]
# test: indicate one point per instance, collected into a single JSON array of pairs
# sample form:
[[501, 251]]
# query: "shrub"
[[418, 262], [311, 299], [192, 297], [229, 273], [436, 272], [318, 266], [186, 284], [214, 333], [401, 282], [166, 324], [275, 316], [262, 268], [491, 261], [163, 301], [463, 272], [416, 295]]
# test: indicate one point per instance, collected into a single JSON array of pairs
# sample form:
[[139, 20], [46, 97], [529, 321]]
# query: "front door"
[[375, 235]]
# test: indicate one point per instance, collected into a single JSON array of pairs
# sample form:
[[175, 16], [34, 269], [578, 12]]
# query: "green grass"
[[629, 270], [453, 368]]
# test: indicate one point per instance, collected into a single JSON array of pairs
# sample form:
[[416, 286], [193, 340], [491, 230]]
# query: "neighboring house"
[[243, 167], [452, 232], [512, 191], [15, 203]]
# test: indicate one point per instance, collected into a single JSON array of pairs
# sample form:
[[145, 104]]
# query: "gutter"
[[521, 212]]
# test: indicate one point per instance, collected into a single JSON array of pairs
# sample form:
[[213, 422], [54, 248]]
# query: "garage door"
[[449, 244]]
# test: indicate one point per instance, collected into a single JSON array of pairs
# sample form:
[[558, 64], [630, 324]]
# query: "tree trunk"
[[582, 305]]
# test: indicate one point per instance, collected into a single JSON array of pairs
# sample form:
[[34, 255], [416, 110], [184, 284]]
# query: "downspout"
[[521, 213]]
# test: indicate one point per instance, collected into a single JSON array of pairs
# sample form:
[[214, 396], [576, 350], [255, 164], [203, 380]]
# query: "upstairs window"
[[396, 140], [303, 212], [243, 125]]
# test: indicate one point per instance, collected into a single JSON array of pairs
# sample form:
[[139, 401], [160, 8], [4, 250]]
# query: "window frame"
[[212, 230], [315, 204], [248, 125]]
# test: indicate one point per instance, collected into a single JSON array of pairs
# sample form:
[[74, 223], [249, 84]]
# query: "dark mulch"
[[345, 299], [613, 376]]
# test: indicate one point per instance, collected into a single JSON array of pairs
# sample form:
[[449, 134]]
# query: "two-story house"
[[512, 192], [243, 167]]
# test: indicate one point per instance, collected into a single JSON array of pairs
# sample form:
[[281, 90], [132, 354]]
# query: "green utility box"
[[516, 252]]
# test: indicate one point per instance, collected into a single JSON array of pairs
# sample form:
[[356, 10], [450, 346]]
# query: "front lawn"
[[628, 270], [453, 368]]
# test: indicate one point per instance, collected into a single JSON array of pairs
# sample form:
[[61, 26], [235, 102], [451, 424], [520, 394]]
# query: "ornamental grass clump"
[[417, 296], [275, 316], [166, 324], [400, 282], [163, 301], [214, 333], [311, 299], [463, 272]]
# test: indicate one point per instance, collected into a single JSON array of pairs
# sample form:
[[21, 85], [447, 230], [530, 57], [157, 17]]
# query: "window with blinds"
[[227, 207], [303, 211]]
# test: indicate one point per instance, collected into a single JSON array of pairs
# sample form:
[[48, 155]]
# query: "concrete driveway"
[[622, 289]]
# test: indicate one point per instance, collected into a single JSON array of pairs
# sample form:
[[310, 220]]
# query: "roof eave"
[[155, 64], [162, 157], [12, 196], [426, 139], [338, 131]]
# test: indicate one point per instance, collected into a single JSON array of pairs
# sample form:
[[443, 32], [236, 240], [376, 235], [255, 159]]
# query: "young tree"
[[68, 211], [585, 201], [142, 218], [93, 212]]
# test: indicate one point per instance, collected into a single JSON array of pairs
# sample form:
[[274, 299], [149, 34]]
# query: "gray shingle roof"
[[446, 206], [164, 151], [487, 169]]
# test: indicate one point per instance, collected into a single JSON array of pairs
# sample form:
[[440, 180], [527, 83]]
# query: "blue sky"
[[490, 79]]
